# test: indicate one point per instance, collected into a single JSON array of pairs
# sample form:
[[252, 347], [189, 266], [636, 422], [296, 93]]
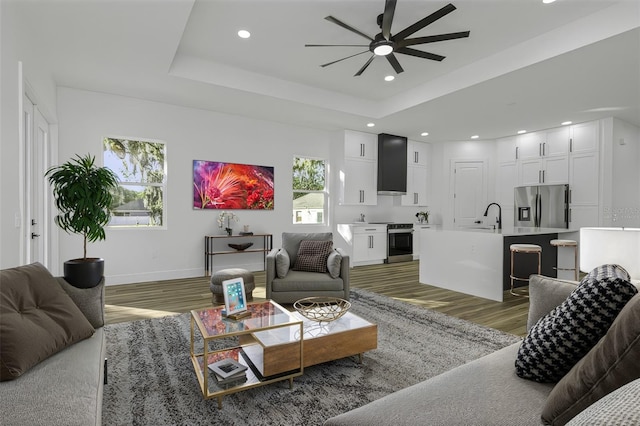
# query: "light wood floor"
[[399, 280]]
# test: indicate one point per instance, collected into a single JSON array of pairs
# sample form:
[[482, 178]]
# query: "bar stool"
[[525, 249], [568, 243]]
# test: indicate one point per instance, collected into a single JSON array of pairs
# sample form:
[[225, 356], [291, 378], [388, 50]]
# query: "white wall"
[[16, 46], [143, 254]]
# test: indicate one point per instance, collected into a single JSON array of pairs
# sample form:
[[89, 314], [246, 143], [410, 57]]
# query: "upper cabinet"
[[359, 177], [507, 149], [530, 146], [550, 143], [417, 153], [360, 145], [584, 137]]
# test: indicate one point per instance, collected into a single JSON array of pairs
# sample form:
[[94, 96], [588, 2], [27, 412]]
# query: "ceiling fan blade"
[[394, 63], [331, 63], [347, 27], [420, 54], [387, 18], [424, 22], [364, 67], [336, 45], [431, 39]]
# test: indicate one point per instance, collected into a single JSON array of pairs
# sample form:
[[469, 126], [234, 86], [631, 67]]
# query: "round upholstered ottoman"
[[227, 274]]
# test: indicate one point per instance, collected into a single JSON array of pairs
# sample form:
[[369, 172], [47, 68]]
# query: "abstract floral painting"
[[219, 185]]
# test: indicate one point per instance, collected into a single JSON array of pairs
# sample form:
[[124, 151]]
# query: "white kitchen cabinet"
[[417, 227], [506, 180], [417, 187], [583, 183], [417, 153], [359, 183], [360, 145], [543, 144], [556, 143], [417, 174], [552, 170], [530, 145], [584, 137], [359, 173], [506, 149], [583, 216], [369, 244]]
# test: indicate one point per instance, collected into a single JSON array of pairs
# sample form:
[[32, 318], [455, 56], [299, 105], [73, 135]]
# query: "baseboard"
[[174, 274], [153, 276]]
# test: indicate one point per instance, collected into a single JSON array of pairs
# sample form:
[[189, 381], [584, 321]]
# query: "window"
[[140, 165], [309, 190]]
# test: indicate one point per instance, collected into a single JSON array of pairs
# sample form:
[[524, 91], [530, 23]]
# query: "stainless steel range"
[[399, 242]]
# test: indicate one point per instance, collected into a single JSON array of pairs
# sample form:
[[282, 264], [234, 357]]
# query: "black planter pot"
[[84, 273]]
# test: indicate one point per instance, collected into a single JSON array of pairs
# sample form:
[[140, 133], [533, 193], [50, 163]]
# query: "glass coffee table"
[[221, 338]]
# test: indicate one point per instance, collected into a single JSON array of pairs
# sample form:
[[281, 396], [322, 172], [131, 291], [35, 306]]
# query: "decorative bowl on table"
[[322, 309], [240, 247]]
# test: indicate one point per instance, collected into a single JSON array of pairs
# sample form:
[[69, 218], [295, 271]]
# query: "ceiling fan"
[[386, 44]]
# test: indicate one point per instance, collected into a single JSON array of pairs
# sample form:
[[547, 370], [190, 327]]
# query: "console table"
[[210, 250]]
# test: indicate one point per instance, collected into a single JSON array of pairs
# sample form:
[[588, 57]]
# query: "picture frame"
[[235, 299]]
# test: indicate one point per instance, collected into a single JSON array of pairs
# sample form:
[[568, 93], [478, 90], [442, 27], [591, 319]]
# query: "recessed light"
[[521, 132], [389, 78], [548, 1], [424, 134], [475, 137], [370, 124], [244, 34], [564, 123]]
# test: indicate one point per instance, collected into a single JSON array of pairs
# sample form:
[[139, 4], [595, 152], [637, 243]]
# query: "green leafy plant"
[[83, 196], [423, 216]]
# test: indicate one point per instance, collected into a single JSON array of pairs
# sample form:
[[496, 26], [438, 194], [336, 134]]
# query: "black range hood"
[[392, 164]]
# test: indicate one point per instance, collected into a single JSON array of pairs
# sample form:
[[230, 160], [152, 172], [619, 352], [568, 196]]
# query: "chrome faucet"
[[499, 218]]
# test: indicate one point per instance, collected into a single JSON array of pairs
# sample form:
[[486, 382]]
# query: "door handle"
[[34, 235]]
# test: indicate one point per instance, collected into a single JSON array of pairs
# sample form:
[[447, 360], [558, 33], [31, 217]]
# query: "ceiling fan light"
[[383, 49]]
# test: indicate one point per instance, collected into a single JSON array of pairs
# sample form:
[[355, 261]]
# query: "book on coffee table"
[[231, 380], [227, 367]]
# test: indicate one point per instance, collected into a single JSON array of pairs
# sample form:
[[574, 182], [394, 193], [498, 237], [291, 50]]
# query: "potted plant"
[[82, 193], [423, 216]]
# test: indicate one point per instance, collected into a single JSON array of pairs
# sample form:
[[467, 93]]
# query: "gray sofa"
[[286, 285], [486, 391], [65, 388]]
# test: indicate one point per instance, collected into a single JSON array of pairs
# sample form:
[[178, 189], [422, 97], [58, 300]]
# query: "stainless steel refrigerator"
[[542, 206]]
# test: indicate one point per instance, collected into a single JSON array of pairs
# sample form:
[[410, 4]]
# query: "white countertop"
[[505, 232]]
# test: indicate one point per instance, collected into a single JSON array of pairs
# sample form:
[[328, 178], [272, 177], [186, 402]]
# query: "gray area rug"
[[152, 382]]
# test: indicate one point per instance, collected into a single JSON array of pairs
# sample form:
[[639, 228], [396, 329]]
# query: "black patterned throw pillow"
[[562, 337], [606, 271], [312, 256]]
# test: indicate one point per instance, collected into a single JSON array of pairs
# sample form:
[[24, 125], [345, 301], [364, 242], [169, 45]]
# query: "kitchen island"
[[476, 260]]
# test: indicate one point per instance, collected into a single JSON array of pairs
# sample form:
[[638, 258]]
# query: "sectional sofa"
[[487, 391], [52, 349]]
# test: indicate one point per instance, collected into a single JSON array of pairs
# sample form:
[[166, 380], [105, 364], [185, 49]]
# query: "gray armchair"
[[286, 285]]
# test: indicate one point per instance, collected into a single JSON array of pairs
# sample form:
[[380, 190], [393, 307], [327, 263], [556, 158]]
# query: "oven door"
[[400, 246]]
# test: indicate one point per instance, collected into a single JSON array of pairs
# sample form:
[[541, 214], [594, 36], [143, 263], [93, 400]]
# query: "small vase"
[[421, 220], [229, 231]]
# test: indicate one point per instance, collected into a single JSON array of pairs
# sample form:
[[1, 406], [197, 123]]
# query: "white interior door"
[[468, 196], [36, 143], [39, 150]]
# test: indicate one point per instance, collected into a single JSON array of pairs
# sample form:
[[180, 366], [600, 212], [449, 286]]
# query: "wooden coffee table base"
[[322, 342]]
